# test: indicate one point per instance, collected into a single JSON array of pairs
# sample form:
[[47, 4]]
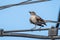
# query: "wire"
[[22, 3], [29, 36], [28, 30], [57, 25]]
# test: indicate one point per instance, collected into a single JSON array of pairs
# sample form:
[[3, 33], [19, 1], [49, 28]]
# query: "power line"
[[27, 30], [29, 36], [4, 33], [57, 25], [22, 3]]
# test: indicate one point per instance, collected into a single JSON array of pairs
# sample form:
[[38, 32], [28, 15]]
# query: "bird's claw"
[[39, 28], [34, 28]]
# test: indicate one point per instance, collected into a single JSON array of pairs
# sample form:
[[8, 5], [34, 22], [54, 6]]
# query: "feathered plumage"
[[35, 19]]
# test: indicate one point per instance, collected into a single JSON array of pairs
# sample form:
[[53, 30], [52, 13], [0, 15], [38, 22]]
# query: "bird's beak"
[[30, 12]]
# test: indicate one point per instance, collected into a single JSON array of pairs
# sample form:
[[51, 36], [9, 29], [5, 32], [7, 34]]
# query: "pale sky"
[[17, 17]]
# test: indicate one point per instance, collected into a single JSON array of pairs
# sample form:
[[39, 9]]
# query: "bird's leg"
[[40, 28], [34, 27]]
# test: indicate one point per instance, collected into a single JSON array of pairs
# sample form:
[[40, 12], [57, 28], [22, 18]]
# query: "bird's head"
[[32, 13]]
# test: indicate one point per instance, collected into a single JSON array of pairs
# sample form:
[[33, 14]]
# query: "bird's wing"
[[30, 21], [39, 19]]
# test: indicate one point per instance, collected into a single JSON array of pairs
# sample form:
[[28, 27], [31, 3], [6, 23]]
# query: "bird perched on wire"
[[36, 20]]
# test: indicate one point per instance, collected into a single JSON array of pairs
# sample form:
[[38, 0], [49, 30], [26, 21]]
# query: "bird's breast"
[[33, 19]]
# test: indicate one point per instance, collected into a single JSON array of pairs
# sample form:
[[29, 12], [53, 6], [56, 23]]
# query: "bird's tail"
[[40, 24], [45, 24]]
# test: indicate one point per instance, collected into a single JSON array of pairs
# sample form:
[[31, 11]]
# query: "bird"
[[36, 20]]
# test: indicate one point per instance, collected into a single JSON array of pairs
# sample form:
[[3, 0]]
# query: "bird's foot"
[[40, 29], [33, 28]]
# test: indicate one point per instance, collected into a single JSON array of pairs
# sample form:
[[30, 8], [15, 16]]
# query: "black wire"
[[57, 25], [22, 3], [28, 35], [26, 30]]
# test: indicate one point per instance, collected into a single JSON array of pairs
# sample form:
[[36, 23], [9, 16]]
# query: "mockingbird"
[[36, 20]]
